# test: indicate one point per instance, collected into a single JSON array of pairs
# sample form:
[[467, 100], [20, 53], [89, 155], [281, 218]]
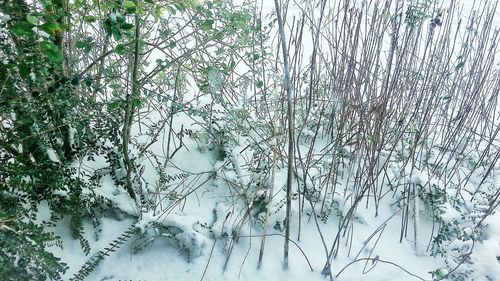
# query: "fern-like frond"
[[98, 257]]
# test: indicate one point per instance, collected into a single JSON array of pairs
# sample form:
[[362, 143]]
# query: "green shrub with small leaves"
[[23, 243]]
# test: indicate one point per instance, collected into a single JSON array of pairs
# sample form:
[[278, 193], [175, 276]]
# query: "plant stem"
[[129, 113], [291, 134]]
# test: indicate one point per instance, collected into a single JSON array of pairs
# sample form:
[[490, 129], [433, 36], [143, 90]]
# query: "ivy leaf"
[[22, 28], [206, 25], [89, 19], [53, 53], [259, 84]]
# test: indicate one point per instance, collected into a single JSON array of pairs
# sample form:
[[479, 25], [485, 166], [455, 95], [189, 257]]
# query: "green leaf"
[[24, 70], [108, 26], [232, 63], [120, 18], [136, 103], [86, 44], [89, 19], [120, 49], [127, 26], [80, 44], [114, 105], [116, 34], [129, 6], [177, 106], [180, 6], [88, 48], [206, 25], [259, 84], [22, 28], [75, 80], [171, 9], [88, 81], [240, 20], [52, 28], [52, 52]]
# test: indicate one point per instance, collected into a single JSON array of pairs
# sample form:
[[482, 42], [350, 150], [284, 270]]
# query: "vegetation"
[[388, 103]]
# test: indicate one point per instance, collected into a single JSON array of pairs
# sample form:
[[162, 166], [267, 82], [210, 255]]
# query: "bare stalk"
[[288, 89]]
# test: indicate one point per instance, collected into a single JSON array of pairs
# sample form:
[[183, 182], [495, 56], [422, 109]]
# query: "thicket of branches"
[[392, 101]]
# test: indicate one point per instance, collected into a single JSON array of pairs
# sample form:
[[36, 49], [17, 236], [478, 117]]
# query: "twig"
[[291, 127], [281, 235], [376, 260]]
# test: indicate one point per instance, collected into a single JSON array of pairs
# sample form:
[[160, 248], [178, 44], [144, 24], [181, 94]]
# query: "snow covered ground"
[[375, 244], [209, 238]]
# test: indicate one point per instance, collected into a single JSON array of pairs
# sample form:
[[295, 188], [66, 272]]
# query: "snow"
[[449, 213], [32, 76], [4, 18], [40, 33], [160, 260], [486, 255], [52, 155]]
